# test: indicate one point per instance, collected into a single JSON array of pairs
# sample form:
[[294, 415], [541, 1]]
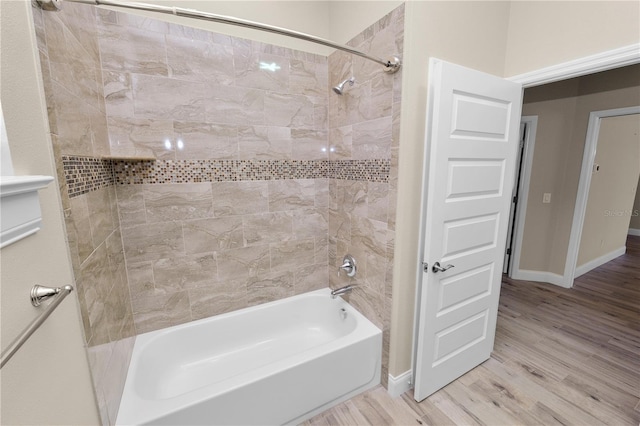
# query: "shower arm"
[[391, 65]]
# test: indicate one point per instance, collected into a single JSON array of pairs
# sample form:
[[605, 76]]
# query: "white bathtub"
[[277, 363]]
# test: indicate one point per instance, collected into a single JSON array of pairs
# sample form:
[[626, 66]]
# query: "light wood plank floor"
[[561, 357]]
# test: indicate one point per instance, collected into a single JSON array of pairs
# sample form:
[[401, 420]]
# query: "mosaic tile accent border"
[[367, 170], [86, 174], [191, 171]]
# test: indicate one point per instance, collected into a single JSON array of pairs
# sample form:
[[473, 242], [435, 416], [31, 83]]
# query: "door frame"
[[591, 64], [523, 193], [589, 156], [610, 59]]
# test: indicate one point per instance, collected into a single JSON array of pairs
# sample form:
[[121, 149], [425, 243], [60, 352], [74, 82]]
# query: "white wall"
[[48, 380]]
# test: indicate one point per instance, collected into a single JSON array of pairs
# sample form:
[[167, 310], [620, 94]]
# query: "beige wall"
[[311, 17], [544, 33], [613, 188], [472, 34], [48, 380], [635, 212], [338, 21], [499, 38], [563, 113], [555, 106], [348, 18]]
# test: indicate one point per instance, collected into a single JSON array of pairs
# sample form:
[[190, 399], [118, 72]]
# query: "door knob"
[[437, 268]]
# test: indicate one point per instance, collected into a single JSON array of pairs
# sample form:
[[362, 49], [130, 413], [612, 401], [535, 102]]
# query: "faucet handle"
[[348, 265]]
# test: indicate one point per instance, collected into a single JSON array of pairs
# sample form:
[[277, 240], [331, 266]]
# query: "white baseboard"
[[399, 385], [593, 264], [540, 276], [635, 232]]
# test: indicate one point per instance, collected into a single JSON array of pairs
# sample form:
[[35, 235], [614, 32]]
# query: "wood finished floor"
[[561, 357]]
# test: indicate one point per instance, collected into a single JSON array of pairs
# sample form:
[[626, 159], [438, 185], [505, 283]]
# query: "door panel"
[[471, 149]]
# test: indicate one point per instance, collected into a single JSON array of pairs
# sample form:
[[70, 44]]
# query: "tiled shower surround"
[[202, 173]]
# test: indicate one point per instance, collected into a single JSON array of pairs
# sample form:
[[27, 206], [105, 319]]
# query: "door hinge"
[[508, 251], [425, 267], [515, 199]]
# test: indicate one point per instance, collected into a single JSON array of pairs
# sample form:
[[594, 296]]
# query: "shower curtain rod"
[[391, 65]]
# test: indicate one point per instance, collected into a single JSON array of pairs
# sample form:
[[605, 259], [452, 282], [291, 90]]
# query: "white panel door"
[[472, 142]]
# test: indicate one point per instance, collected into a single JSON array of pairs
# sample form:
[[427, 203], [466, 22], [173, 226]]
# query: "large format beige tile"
[[235, 105], [260, 70], [162, 98], [264, 143], [213, 234], [161, 311], [269, 287], [118, 93], [177, 273], [289, 255], [140, 276], [133, 50], [80, 79], [285, 110], [72, 121], [99, 206], [131, 205], [372, 139], [308, 78], [239, 198], [267, 228], [79, 226], [201, 141], [309, 144], [378, 201], [177, 202], [310, 278], [243, 263], [220, 298], [153, 241], [340, 143], [310, 222], [141, 137], [196, 60], [291, 194]]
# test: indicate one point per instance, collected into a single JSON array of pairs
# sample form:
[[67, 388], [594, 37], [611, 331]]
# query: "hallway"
[[561, 356]]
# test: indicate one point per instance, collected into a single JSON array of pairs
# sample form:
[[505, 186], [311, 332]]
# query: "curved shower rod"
[[391, 65]]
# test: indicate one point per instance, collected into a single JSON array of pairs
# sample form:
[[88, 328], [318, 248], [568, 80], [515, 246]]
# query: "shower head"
[[340, 87]]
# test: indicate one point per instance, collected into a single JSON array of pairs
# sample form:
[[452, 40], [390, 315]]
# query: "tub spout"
[[342, 290]]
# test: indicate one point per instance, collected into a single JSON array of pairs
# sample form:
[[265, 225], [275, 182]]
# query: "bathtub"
[[277, 363]]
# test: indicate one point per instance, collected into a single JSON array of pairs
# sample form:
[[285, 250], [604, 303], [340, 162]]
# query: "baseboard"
[[399, 385], [540, 276], [593, 264], [635, 232]]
